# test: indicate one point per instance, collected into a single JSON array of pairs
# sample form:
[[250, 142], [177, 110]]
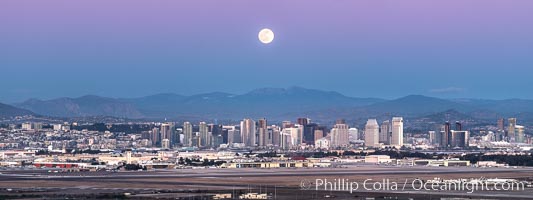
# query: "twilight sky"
[[373, 48]]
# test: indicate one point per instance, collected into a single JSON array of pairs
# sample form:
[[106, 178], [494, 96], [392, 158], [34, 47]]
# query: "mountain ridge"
[[7, 111], [277, 103]]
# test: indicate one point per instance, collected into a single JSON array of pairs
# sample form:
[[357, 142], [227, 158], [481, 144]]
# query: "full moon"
[[266, 36]]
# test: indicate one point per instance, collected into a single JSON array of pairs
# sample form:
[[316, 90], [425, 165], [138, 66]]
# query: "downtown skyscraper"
[[385, 132], [167, 135], [187, 134], [372, 133], [340, 135], [511, 130], [204, 137], [397, 132], [155, 136], [248, 132], [262, 133]]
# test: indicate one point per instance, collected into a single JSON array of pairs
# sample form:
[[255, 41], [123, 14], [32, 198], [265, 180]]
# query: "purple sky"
[[387, 49]]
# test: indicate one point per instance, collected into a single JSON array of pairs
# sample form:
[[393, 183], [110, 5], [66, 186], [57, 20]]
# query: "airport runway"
[[203, 173], [186, 181]]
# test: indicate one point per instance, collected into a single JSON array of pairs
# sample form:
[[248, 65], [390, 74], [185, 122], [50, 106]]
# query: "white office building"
[[397, 132], [372, 133]]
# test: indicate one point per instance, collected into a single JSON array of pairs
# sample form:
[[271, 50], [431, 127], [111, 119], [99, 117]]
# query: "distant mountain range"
[[89, 105], [268, 102], [7, 111], [273, 103]]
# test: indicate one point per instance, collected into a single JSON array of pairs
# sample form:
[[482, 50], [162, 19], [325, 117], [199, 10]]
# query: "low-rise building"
[[378, 159], [288, 164]]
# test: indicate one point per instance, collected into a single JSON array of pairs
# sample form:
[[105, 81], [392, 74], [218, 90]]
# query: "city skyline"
[[52, 49], [239, 99]]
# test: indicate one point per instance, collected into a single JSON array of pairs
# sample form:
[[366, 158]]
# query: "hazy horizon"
[[132, 97], [383, 49]]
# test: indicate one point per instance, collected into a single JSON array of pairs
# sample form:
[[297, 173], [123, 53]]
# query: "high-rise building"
[[177, 136], [155, 136], [458, 126], [215, 135], [248, 132], [204, 135], [237, 138], [230, 134], [187, 134], [172, 133], [372, 133], [298, 136], [446, 139], [195, 139], [319, 134], [519, 132], [262, 132], [500, 135], [295, 135], [443, 138], [224, 133], [309, 133], [324, 130], [340, 135], [274, 133], [433, 138], [385, 132], [269, 137], [459, 138], [285, 139], [501, 124], [353, 134], [166, 133], [397, 132], [216, 140], [511, 130]]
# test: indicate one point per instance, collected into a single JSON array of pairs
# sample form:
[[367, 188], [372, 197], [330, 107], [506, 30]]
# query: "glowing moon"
[[266, 36]]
